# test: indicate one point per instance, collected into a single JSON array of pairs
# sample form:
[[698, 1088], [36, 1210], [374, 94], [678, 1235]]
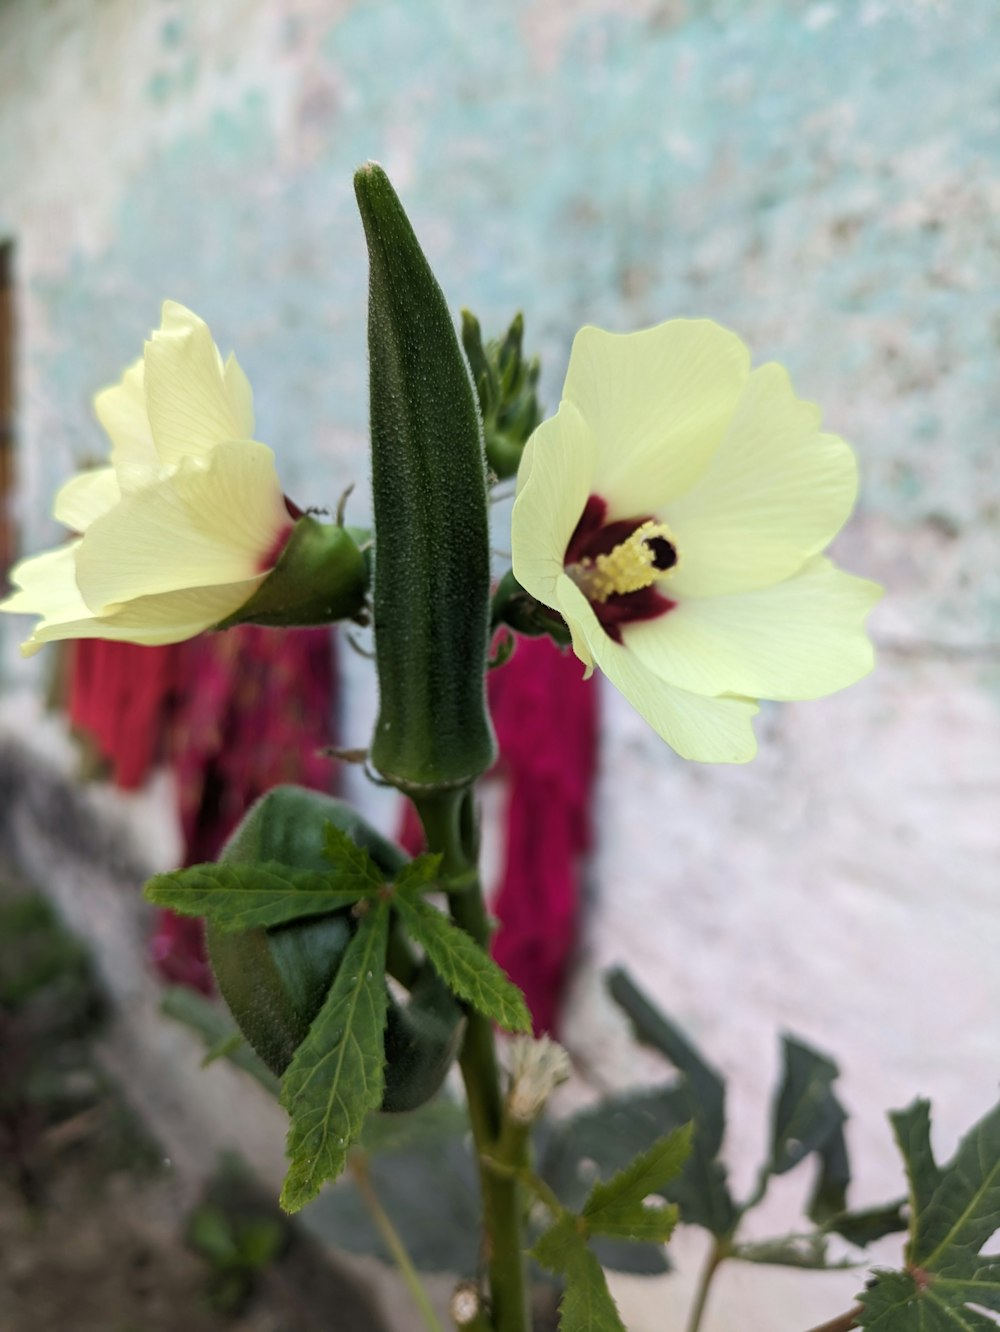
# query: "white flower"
[[673, 512], [183, 526]]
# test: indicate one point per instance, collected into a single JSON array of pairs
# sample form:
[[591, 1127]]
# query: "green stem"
[[843, 1323], [717, 1256], [393, 1242], [446, 820]]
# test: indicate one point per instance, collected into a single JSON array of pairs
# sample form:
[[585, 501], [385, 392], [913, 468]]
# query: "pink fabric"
[[233, 713]]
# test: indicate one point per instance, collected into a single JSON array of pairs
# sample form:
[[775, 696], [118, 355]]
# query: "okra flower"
[[673, 512], [178, 533]]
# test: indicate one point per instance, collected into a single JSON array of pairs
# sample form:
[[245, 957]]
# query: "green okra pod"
[[431, 562]]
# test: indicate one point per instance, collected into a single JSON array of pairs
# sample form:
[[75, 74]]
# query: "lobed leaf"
[[701, 1191], [349, 858], [807, 1115], [618, 1208], [953, 1212], [337, 1074], [586, 1304], [463, 965], [245, 896]]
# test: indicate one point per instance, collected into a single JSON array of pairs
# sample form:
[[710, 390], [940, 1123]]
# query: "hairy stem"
[[446, 824], [842, 1324], [716, 1257], [393, 1242]]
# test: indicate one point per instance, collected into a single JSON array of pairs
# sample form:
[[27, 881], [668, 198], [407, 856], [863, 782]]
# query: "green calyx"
[[431, 561], [321, 576]]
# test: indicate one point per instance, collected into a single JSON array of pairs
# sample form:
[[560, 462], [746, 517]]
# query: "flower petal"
[[802, 638], [46, 585], [708, 730], [121, 410], [658, 403], [212, 521], [85, 497], [550, 501], [169, 617], [194, 402], [775, 493]]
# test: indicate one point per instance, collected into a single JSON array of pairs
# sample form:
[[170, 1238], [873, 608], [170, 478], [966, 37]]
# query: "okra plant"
[[668, 528]]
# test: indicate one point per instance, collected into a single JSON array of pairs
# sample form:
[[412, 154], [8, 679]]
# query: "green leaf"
[[618, 1208], [868, 1224], [348, 858], [411, 1158], [419, 875], [701, 1191], [586, 1305], [706, 1087], [954, 1211], [912, 1130], [337, 1074], [803, 1251], [240, 897], [464, 966], [829, 1195], [807, 1115]]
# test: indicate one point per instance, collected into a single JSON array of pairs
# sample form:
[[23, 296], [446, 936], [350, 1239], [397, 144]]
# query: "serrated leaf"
[[337, 1074], [348, 858], [649, 1223], [701, 1191], [463, 965], [616, 1207], [242, 897], [964, 1211], [951, 1219], [806, 1112], [428, 1160], [418, 875], [586, 1304]]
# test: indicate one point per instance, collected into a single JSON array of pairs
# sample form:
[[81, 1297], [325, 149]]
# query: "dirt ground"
[[94, 1233]]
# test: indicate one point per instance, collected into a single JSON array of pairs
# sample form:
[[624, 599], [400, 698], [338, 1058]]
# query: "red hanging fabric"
[[234, 714]]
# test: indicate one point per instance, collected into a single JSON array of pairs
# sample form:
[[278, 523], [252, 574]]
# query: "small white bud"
[[537, 1067]]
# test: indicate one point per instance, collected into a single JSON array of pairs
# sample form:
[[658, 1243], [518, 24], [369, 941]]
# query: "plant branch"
[[393, 1242], [842, 1324], [718, 1253], [442, 817]]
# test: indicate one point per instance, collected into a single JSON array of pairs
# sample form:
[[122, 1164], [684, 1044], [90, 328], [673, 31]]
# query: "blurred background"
[[821, 176]]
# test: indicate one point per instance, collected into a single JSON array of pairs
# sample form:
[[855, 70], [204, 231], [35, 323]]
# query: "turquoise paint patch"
[[811, 184]]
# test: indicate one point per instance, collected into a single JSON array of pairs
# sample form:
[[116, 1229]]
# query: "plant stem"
[[717, 1256], [442, 817], [393, 1242], [842, 1324]]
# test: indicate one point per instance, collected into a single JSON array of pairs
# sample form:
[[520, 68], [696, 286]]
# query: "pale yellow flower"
[[673, 512], [183, 526]]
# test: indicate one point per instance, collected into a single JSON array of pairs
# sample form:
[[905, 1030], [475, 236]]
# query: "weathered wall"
[[823, 177]]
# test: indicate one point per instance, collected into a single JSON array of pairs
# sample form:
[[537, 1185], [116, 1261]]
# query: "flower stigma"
[[647, 556]]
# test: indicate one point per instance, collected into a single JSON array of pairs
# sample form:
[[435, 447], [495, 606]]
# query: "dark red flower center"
[[594, 537]]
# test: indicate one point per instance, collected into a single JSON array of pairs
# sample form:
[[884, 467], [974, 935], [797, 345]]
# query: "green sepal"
[[431, 562], [506, 385], [513, 606], [321, 576]]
